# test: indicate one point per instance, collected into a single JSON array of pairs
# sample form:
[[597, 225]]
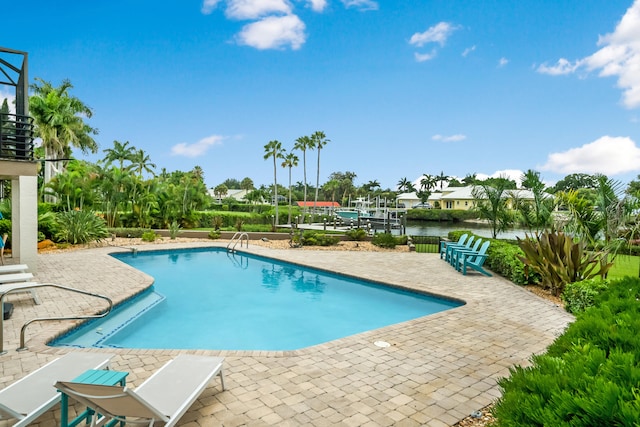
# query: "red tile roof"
[[319, 204]]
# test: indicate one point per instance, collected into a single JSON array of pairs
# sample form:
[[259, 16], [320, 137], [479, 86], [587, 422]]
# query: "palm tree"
[[319, 140], [427, 183], [59, 122], [274, 149], [120, 152], [303, 144], [141, 162], [405, 185], [491, 203], [442, 178], [290, 160]]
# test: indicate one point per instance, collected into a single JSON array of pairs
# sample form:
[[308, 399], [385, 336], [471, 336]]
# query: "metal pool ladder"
[[238, 238]]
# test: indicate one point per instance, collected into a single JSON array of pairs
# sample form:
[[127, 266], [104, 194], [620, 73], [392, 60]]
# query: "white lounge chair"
[[32, 396], [14, 268], [164, 397], [11, 279]]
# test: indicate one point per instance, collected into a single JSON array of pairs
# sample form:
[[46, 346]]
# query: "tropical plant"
[[491, 204], [427, 183], [120, 153], [303, 144], [273, 149], [405, 185], [442, 178], [59, 122], [174, 229], [78, 226], [559, 260], [537, 214], [290, 160], [319, 141]]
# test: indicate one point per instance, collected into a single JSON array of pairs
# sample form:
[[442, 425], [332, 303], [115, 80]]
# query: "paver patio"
[[438, 369]]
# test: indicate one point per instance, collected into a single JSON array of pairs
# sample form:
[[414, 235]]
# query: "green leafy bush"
[[149, 236], [385, 240], [589, 375], [578, 296], [357, 234], [311, 238], [79, 227], [213, 235], [504, 258]]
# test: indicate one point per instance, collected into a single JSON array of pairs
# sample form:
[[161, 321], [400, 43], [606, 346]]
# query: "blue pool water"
[[212, 299]]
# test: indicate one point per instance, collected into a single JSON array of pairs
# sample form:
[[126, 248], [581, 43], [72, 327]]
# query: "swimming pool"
[[208, 298]]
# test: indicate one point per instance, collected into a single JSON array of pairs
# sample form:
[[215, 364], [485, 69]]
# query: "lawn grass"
[[625, 265]]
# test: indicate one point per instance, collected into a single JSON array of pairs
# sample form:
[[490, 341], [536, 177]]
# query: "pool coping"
[[437, 370]]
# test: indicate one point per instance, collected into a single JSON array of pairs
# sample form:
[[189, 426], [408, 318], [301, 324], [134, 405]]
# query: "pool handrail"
[[238, 237], [40, 319]]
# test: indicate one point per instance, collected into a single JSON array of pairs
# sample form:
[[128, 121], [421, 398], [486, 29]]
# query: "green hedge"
[[440, 215], [590, 375]]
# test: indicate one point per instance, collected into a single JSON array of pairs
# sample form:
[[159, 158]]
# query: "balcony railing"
[[16, 137]]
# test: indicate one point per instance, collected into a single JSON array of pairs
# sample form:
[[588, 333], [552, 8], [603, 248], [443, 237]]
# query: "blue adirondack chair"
[[457, 253], [474, 261], [451, 248], [444, 244]]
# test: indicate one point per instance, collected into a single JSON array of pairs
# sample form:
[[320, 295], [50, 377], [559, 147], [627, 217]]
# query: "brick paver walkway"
[[437, 371]]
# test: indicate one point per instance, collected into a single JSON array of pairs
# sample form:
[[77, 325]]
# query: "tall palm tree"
[[303, 144], [274, 149], [141, 162], [319, 141], [59, 122], [405, 185], [120, 152], [427, 183], [290, 160], [442, 178]]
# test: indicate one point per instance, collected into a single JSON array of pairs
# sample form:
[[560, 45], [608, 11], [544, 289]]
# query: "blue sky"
[[400, 88]]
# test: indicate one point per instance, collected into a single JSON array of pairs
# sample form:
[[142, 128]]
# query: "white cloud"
[[208, 6], [439, 33], [198, 148], [563, 66], [422, 57], [451, 138], [254, 9], [618, 57], [468, 50], [502, 62], [607, 155], [274, 32], [361, 4], [317, 5]]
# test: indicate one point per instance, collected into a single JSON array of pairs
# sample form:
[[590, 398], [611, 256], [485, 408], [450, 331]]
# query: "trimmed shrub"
[[385, 240], [149, 236], [213, 235], [357, 234], [579, 296], [311, 238], [590, 374]]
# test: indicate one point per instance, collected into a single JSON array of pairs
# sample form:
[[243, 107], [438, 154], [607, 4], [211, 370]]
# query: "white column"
[[24, 221]]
